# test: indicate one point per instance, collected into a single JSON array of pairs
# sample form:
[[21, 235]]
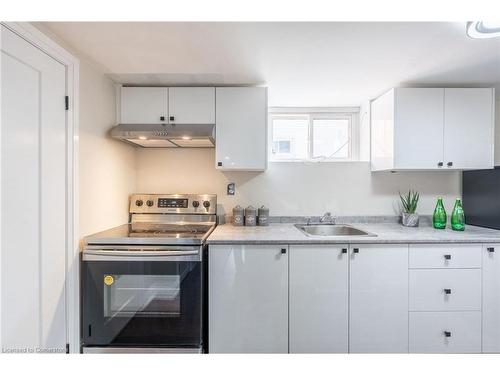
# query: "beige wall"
[[106, 166], [292, 188]]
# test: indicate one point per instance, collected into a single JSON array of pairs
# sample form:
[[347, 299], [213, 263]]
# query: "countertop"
[[385, 233]]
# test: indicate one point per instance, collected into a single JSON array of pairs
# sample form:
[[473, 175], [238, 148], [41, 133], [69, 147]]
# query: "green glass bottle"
[[458, 216], [439, 218]]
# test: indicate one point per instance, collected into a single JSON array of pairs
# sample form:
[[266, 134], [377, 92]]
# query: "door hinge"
[[66, 102], [67, 348]]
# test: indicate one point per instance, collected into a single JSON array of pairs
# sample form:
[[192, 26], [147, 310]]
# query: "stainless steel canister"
[[250, 216], [238, 216], [263, 216]]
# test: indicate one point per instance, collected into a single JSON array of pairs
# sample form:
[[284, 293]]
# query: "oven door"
[[140, 297]]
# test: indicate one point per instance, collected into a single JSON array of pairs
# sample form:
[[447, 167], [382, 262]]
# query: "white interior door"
[[33, 197]]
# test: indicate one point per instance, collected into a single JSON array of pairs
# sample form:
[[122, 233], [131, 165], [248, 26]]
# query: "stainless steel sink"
[[332, 230]]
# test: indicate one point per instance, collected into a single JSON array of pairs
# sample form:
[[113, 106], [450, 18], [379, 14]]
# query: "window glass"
[[290, 138], [331, 138]]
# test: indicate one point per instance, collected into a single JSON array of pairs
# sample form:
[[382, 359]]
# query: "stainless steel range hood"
[[166, 135]]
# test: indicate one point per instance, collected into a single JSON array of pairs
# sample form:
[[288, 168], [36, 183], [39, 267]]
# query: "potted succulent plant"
[[409, 204]]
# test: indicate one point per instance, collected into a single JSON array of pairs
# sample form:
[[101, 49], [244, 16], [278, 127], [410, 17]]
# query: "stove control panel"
[[173, 203]]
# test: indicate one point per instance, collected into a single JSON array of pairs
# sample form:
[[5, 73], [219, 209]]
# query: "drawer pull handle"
[[344, 251], [447, 291], [491, 249], [447, 257], [355, 250], [447, 333], [283, 251]]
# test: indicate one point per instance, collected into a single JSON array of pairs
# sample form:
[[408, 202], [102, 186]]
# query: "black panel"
[[481, 197]]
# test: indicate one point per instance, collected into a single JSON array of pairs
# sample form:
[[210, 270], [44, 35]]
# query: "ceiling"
[[303, 64]]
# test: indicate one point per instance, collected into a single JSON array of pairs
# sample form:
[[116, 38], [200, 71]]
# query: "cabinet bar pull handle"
[[172, 118], [447, 333], [450, 164], [283, 251], [344, 251], [447, 257], [491, 249], [447, 291], [162, 118], [355, 250], [440, 164]]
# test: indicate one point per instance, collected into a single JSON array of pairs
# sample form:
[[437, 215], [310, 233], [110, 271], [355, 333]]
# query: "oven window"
[[141, 295]]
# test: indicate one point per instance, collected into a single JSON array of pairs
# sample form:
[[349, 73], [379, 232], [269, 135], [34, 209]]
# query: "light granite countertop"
[[385, 233]]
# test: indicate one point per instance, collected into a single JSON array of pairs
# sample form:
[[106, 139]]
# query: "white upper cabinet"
[[241, 128], [144, 105], [432, 129], [378, 299], [468, 128], [191, 105]]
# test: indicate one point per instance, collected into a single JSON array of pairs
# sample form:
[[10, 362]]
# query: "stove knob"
[[206, 204], [150, 203], [196, 204], [139, 202]]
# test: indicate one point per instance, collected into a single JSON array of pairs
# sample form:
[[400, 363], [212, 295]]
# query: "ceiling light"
[[143, 138], [483, 29], [186, 138]]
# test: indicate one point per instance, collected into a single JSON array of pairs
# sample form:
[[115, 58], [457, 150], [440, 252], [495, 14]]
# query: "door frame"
[[72, 283]]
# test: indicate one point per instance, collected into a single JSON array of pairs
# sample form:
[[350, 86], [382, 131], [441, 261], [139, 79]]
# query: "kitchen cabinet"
[[318, 299], [162, 105], [445, 332], [433, 129], [248, 299], [491, 299], [378, 299], [469, 128], [241, 128], [191, 105], [144, 105]]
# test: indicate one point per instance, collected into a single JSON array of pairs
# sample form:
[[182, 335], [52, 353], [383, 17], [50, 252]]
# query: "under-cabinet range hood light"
[[483, 29], [166, 135]]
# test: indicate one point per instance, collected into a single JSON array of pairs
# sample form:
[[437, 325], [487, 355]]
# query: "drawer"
[[445, 256], [445, 290], [445, 332]]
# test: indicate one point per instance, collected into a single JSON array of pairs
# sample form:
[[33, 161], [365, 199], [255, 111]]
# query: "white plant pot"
[[410, 220]]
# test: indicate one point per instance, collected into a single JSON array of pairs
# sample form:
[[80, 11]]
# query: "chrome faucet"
[[327, 218]]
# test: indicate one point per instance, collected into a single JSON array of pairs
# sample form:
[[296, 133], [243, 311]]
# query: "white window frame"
[[311, 114]]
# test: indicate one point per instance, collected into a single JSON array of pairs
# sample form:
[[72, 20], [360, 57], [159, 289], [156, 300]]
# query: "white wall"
[[106, 166], [292, 188], [497, 129]]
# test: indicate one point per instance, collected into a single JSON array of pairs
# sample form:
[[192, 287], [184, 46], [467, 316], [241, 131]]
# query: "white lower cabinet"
[[366, 298], [378, 299], [491, 298], [445, 332], [248, 299], [318, 299]]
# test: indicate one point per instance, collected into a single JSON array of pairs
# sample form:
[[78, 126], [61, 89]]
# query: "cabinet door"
[[318, 299], [143, 105], [191, 105], [248, 299], [468, 128], [491, 298], [241, 128], [418, 133], [378, 299]]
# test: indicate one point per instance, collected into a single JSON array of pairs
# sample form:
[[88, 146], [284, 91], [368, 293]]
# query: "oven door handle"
[[139, 255]]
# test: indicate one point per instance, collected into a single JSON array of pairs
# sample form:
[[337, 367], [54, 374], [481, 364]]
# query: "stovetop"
[[128, 234]]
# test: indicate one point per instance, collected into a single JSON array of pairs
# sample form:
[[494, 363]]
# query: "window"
[[322, 135]]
